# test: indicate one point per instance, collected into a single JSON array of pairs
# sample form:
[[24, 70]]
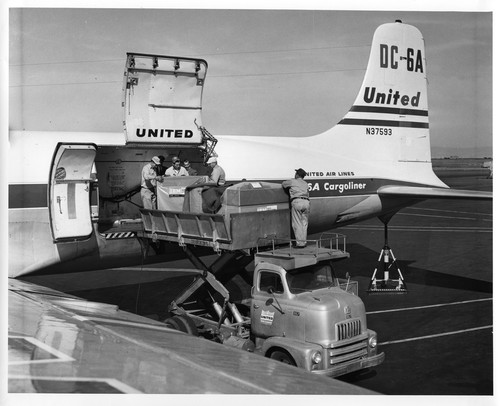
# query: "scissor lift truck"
[[299, 312]]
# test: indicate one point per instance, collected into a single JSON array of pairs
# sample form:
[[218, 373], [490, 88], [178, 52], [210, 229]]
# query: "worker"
[[148, 183], [299, 197], [191, 171], [218, 176], [176, 169], [160, 169]]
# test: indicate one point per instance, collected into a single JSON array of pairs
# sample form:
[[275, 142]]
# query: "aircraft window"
[[271, 280], [310, 278], [60, 173]]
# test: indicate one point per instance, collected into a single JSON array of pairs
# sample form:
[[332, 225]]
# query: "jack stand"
[[387, 285]]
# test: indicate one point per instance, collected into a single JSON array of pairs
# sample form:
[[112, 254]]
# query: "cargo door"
[[69, 192], [162, 99]]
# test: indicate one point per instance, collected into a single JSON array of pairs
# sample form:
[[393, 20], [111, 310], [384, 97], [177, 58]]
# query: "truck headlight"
[[316, 357], [372, 342]]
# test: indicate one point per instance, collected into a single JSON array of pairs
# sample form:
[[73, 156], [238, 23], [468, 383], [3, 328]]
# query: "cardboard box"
[[254, 194], [171, 192]]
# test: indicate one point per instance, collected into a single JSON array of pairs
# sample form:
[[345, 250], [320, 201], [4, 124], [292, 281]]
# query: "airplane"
[[74, 203]]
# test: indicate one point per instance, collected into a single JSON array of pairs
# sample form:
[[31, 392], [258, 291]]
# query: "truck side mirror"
[[269, 301]]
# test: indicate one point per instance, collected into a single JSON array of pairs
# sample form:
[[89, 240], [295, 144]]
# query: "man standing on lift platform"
[[218, 176], [149, 177], [299, 196]]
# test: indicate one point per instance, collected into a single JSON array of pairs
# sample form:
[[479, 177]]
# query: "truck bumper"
[[352, 366]]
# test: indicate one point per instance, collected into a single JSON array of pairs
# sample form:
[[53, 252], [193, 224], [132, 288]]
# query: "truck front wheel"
[[182, 323], [283, 356]]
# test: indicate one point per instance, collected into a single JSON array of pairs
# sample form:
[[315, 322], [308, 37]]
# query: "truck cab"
[[309, 318]]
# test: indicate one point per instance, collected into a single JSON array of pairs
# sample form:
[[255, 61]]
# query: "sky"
[[270, 71]]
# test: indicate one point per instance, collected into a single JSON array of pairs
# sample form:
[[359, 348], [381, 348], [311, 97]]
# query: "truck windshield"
[[310, 278]]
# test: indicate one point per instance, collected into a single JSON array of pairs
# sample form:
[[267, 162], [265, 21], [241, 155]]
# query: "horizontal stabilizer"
[[432, 193]]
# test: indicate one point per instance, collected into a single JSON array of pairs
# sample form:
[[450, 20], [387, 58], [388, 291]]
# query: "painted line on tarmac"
[[419, 227], [449, 211], [435, 335], [426, 229], [431, 306], [441, 217]]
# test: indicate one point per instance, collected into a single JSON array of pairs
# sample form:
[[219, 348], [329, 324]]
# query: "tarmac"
[[438, 337]]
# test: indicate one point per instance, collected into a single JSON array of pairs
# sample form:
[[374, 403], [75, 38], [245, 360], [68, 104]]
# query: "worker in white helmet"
[[218, 176]]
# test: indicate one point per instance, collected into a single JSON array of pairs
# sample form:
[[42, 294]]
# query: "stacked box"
[[254, 193], [261, 209], [193, 200], [248, 197], [171, 192]]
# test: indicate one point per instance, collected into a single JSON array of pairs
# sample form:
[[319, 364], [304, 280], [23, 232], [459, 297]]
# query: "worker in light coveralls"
[[218, 176], [299, 197], [149, 177]]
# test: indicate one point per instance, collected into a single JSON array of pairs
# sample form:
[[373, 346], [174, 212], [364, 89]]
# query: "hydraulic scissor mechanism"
[[387, 262], [213, 293]]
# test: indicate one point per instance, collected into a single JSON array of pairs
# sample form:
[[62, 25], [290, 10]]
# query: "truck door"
[[69, 191], [268, 319]]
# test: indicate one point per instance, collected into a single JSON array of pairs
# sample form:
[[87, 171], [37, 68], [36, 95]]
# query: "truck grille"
[[348, 329], [346, 354]]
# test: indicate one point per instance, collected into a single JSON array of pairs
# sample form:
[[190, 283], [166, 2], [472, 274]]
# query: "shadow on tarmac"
[[360, 255]]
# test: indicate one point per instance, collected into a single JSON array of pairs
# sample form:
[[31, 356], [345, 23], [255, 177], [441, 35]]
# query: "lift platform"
[[243, 213], [252, 223], [329, 246], [230, 232], [251, 231]]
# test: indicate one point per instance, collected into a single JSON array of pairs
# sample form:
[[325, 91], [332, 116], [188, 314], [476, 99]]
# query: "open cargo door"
[[69, 192], [162, 99]]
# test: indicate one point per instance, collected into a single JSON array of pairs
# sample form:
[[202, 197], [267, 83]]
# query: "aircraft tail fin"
[[394, 90], [388, 124]]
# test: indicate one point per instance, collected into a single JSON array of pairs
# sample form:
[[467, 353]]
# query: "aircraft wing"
[[62, 344], [430, 193]]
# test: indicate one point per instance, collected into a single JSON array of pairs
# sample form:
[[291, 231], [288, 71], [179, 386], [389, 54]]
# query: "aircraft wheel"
[[182, 323], [283, 356]]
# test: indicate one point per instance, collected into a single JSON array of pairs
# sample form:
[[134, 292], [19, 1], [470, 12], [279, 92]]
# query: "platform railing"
[[328, 241]]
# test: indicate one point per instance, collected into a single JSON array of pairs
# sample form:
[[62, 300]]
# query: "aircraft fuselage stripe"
[[383, 123], [26, 196], [390, 110]]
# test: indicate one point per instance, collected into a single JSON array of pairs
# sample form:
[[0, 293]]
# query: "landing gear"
[[387, 261]]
